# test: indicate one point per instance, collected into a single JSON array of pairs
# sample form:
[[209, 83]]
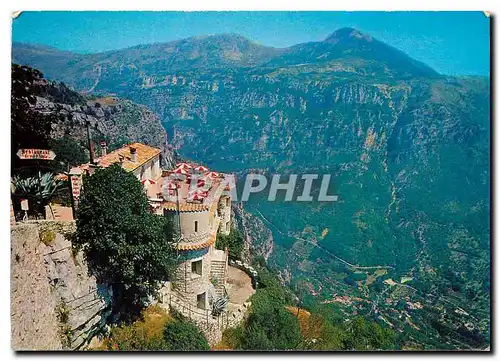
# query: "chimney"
[[91, 144], [133, 154], [104, 148]]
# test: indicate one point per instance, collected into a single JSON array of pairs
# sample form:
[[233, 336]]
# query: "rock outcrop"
[[55, 304]]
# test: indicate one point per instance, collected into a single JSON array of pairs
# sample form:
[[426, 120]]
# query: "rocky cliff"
[[257, 237], [55, 305], [114, 120]]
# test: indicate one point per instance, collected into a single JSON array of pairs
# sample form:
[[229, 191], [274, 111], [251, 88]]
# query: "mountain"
[[351, 49], [408, 242], [93, 72], [115, 120], [346, 50]]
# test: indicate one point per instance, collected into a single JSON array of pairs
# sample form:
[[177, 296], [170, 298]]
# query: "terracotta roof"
[[144, 154], [192, 246], [186, 207]]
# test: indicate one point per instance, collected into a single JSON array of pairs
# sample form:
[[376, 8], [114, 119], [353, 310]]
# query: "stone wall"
[[54, 303], [190, 284], [225, 214], [188, 219], [212, 327]]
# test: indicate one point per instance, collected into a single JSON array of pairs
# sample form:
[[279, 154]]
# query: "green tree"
[[69, 152], [255, 338], [270, 326], [365, 335], [182, 335], [125, 245], [233, 241]]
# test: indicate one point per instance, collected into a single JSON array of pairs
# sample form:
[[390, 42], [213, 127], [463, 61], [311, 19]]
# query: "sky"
[[455, 43]]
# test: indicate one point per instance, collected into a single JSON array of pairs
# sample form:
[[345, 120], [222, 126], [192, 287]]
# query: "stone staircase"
[[218, 271]]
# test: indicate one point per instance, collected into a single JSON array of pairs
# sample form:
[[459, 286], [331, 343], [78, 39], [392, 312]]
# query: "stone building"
[[198, 200], [140, 159], [200, 203]]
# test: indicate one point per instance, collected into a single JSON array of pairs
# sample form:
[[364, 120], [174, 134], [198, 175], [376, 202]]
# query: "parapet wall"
[[55, 305], [211, 326]]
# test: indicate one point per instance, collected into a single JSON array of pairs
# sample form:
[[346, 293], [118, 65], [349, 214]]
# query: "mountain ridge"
[[229, 50]]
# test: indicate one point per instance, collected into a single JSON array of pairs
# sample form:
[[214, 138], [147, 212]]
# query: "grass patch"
[[145, 334]]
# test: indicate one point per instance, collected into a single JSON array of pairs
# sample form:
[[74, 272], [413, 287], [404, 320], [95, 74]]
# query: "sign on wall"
[[24, 204], [44, 154]]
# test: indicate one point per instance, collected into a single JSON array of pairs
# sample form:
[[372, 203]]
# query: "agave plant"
[[40, 189], [220, 305]]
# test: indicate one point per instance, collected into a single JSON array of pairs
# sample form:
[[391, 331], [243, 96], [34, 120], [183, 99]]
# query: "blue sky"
[[451, 42]]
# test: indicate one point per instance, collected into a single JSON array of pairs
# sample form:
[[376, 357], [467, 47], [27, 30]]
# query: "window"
[[227, 202], [196, 226], [201, 300], [227, 227], [196, 267]]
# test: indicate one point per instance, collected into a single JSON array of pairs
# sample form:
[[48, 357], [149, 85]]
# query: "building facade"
[[200, 212], [201, 276]]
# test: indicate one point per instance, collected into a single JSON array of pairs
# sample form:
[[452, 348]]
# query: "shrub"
[[365, 335], [231, 339], [145, 334], [270, 326], [326, 336], [233, 241], [47, 237], [182, 335]]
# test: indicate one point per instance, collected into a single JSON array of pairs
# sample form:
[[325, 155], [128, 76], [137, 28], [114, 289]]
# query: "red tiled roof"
[[144, 154], [186, 207]]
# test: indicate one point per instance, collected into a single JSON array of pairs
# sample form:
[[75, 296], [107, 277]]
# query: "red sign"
[[76, 185], [44, 154]]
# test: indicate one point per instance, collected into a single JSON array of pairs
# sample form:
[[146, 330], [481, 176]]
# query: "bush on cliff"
[[145, 334], [270, 326], [125, 246], [233, 242], [155, 330], [182, 335]]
